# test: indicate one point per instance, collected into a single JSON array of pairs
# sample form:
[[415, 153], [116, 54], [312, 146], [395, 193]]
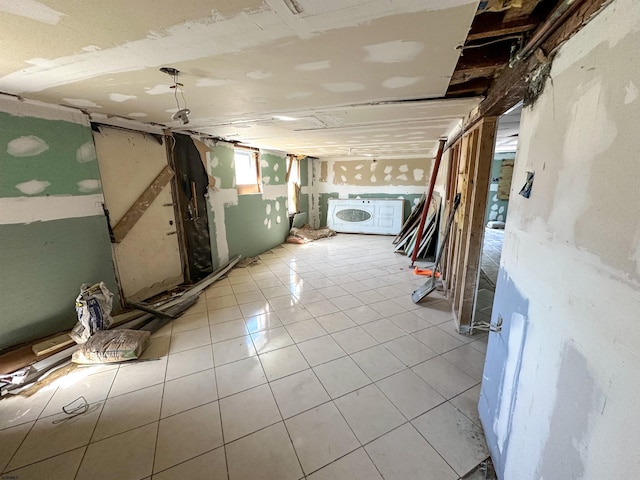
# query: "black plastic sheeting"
[[192, 181]]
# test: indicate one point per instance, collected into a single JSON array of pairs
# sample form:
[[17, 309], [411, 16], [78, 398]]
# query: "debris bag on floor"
[[308, 234], [93, 307], [108, 346]]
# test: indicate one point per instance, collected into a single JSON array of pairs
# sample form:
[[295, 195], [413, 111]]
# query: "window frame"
[[248, 188]]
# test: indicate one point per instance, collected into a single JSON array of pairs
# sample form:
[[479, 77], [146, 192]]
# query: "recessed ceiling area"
[[326, 79]]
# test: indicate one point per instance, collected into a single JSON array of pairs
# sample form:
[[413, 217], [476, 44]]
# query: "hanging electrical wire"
[[182, 113]]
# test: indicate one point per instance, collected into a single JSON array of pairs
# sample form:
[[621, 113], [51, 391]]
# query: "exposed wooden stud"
[[127, 222], [464, 75], [493, 26], [477, 202]]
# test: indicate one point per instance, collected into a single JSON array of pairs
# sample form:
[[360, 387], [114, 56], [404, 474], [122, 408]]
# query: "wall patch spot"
[[343, 168], [387, 178], [91, 48], [33, 187], [402, 177], [388, 169], [86, 153], [160, 89], [27, 146], [631, 93], [343, 178], [266, 221], [359, 167], [278, 219], [276, 167], [373, 179], [268, 209], [313, 66], [119, 97], [358, 176], [393, 52], [81, 102], [269, 224], [277, 178], [403, 168], [266, 180], [277, 206], [400, 82], [418, 174], [215, 161], [264, 164], [341, 87], [259, 75], [137, 115], [33, 10], [87, 186]]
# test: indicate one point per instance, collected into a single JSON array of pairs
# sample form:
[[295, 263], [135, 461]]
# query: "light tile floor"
[[312, 364]]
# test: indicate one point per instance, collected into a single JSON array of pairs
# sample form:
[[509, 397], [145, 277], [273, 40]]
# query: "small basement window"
[[247, 171]]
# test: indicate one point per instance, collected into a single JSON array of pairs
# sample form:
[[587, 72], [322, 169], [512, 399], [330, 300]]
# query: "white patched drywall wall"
[[572, 251]]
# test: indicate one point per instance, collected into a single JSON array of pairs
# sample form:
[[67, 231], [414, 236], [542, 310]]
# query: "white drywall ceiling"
[[308, 77]]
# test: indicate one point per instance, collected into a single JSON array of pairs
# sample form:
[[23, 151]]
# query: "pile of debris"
[[308, 234], [100, 338], [406, 240]]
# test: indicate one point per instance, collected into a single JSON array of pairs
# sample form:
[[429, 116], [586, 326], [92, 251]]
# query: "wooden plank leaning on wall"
[[469, 171]]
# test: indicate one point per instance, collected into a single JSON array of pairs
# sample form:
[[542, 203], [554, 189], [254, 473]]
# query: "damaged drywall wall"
[[53, 233], [246, 224], [571, 249], [367, 178]]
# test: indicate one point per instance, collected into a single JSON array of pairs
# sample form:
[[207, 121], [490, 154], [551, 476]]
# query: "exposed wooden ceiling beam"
[[510, 87], [492, 25], [476, 86], [464, 75], [528, 6]]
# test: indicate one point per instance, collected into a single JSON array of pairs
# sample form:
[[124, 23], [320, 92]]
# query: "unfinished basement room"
[[319, 239]]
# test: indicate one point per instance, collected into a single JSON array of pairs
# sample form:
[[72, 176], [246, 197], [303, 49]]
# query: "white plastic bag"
[[93, 307]]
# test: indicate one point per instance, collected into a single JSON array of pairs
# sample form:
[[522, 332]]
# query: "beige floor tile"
[[264, 455], [208, 466], [93, 388], [255, 308], [298, 392], [460, 441], [17, 409], [190, 322], [266, 321], [187, 435], [247, 412], [369, 413], [273, 339], [190, 339], [232, 350], [334, 322], [282, 362], [129, 411], [61, 467], [127, 456], [403, 454], [341, 376], [228, 330], [238, 376], [225, 314], [409, 322], [410, 394], [467, 359], [320, 436], [47, 439], [354, 339], [446, 378], [409, 350], [10, 439], [377, 362], [191, 361], [362, 314], [437, 340], [355, 466], [188, 392], [383, 330], [467, 403], [305, 330]]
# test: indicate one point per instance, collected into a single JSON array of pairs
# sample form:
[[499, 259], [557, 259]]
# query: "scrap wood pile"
[[99, 338], [308, 234], [406, 240]]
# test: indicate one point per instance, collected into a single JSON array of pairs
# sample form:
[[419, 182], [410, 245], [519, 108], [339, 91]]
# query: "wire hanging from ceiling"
[[182, 113]]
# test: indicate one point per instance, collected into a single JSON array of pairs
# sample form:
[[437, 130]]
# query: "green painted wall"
[[501, 206], [273, 169], [252, 225], [222, 165], [304, 172], [304, 202], [43, 263], [66, 157], [213, 239], [43, 266]]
